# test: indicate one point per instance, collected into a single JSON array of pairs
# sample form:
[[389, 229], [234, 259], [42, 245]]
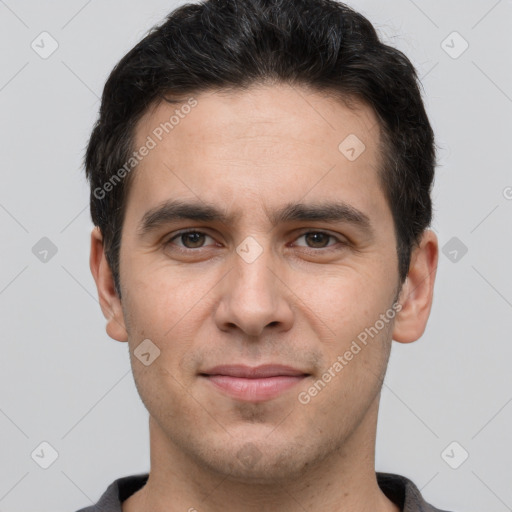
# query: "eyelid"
[[184, 232], [339, 239]]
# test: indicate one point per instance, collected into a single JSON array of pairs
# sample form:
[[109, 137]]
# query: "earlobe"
[[109, 300], [417, 291]]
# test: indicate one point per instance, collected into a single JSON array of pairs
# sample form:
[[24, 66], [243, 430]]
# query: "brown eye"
[[188, 240], [317, 239], [195, 239]]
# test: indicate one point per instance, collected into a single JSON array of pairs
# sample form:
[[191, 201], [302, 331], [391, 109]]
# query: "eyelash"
[[316, 249]]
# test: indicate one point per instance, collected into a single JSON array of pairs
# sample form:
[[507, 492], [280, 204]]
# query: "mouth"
[[253, 384]]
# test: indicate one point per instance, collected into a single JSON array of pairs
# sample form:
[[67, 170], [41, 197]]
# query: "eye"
[[189, 239], [318, 239]]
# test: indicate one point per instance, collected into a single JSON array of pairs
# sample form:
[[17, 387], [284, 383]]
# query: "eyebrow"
[[172, 210]]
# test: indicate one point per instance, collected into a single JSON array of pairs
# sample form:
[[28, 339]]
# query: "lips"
[[253, 384], [248, 372]]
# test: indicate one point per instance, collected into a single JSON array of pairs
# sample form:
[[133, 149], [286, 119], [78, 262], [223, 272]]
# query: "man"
[[260, 185]]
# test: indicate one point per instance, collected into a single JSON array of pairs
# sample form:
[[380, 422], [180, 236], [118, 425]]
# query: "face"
[[290, 259]]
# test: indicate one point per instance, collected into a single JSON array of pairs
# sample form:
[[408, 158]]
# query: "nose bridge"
[[251, 284], [252, 296]]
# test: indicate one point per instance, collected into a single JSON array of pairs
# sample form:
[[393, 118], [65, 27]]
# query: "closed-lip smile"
[[253, 383]]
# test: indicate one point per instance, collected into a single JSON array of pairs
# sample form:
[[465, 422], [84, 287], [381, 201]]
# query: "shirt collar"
[[399, 489]]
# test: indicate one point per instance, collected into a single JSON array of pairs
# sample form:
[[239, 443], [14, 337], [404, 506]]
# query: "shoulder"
[[117, 492], [404, 493]]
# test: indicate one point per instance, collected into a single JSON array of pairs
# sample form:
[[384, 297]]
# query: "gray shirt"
[[397, 488]]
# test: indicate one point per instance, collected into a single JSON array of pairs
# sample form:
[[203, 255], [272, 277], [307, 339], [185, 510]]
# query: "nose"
[[254, 297]]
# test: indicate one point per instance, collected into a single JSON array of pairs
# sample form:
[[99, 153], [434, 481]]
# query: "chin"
[[261, 462]]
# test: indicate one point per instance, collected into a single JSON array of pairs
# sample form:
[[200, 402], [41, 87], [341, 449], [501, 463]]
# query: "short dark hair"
[[232, 44]]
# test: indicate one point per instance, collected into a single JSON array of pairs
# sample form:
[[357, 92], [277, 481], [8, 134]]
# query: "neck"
[[342, 480]]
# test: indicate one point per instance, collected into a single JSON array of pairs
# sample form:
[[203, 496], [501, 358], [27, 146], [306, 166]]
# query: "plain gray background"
[[63, 381]]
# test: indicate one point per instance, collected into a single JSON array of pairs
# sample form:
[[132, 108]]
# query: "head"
[[289, 123]]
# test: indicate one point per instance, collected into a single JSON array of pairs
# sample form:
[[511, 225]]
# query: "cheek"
[[344, 300], [161, 312], [161, 299], [167, 309], [165, 395]]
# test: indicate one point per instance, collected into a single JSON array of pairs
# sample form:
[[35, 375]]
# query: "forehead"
[[267, 145]]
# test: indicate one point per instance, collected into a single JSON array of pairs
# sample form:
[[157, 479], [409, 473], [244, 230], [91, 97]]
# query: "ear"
[[418, 290], [109, 301]]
